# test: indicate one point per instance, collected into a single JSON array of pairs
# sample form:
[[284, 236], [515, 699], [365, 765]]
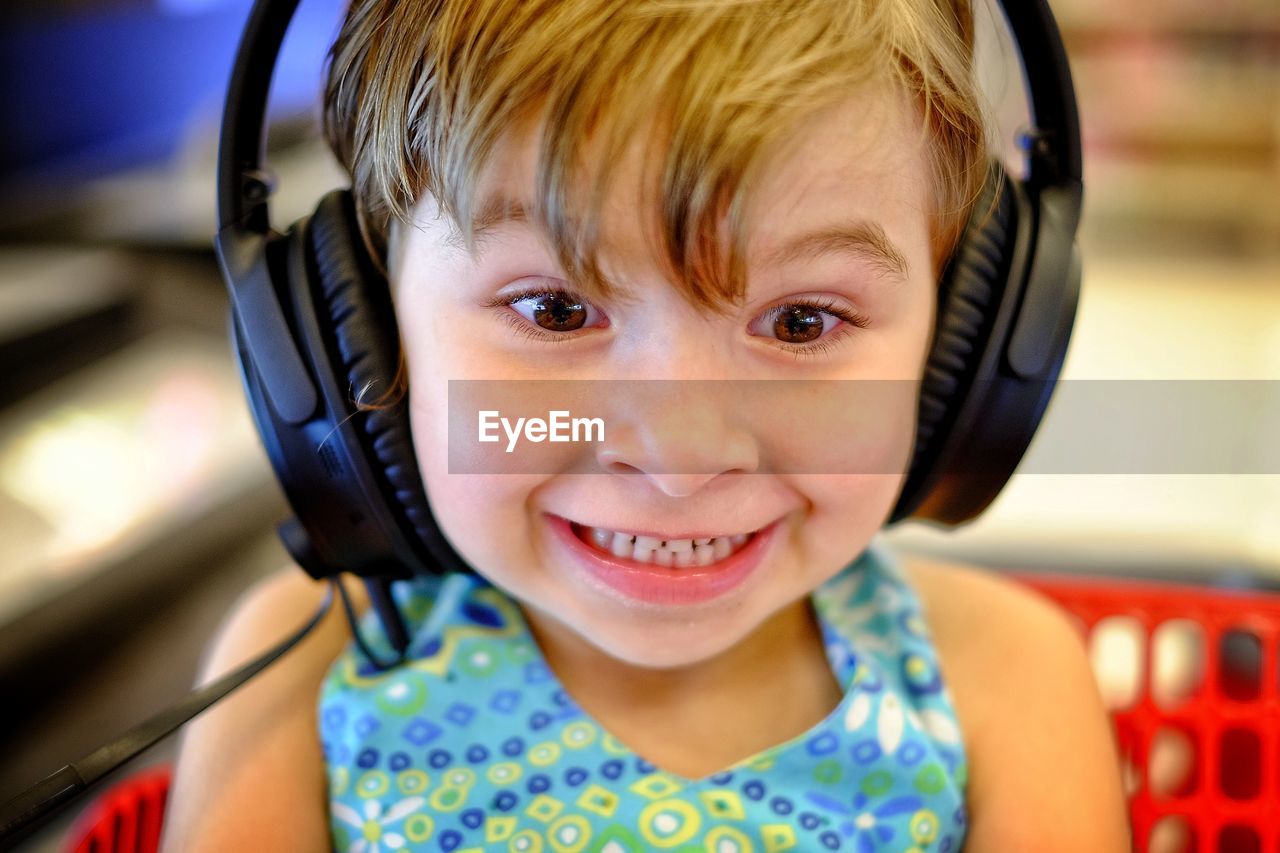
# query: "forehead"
[[851, 176]]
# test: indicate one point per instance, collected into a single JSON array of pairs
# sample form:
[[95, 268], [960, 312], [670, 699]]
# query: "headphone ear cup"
[[361, 325], [969, 294]]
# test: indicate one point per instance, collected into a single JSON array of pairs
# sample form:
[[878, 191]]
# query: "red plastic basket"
[[1229, 798], [126, 818]]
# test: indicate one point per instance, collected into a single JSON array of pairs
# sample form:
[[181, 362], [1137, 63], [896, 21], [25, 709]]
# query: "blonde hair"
[[420, 92]]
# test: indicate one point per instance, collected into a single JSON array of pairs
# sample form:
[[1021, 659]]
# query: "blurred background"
[[136, 503]]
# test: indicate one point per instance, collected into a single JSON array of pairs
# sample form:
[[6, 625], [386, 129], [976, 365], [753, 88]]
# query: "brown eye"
[[798, 324], [552, 311], [556, 312], [807, 324]]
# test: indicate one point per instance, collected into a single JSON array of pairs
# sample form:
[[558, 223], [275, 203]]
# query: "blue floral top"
[[472, 744]]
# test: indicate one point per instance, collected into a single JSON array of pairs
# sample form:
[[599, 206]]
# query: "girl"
[[697, 646]]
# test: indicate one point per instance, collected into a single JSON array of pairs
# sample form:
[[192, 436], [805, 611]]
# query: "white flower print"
[[941, 726], [889, 730], [374, 824], [889, 714]]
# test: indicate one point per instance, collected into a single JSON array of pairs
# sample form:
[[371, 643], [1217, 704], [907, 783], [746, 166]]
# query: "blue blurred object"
[[101, 86]]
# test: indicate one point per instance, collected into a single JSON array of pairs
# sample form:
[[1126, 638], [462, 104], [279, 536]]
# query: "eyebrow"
[[857, 237], [494, 212]]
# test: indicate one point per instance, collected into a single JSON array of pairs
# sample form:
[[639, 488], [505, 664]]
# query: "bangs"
[[421, 95]]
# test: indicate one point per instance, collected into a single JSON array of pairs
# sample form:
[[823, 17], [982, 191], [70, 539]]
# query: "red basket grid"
[[1231, 802], [126, 818]]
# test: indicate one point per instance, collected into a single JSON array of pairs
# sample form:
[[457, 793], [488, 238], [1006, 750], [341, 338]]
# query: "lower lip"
[[661, 585]]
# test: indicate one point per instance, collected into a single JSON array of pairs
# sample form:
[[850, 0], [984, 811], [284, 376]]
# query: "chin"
[[669, 647], [633, 636]]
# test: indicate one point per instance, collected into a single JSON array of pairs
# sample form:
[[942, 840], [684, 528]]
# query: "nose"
[[678, 434]]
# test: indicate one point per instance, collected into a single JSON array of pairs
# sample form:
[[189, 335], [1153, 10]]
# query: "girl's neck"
[[694, 720]]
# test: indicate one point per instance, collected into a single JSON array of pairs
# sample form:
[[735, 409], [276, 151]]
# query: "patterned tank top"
[[473, 745]]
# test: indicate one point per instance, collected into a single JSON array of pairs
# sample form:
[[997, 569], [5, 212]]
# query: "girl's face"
[[856, 173]]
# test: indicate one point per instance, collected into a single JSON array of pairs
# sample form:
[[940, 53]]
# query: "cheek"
[[484, 516], [469, 508], [848, 426], [855, 468], [846, 510], [907, 326]]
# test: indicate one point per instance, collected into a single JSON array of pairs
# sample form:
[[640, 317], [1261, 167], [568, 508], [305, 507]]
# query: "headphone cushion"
[[968, 294], [362, 321]]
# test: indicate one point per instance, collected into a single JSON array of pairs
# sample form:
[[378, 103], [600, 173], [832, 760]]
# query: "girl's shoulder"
[[981, 624], [955, 595], [969, 607], [268, 726], [1033, 720]]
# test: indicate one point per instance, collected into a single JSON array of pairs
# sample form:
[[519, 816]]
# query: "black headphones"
[[312, 322]]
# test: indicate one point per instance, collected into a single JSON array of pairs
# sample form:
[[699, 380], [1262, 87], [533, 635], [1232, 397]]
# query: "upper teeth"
[[666, 552]]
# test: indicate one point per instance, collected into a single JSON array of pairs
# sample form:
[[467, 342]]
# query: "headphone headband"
[[242, 188], [1056, 155]]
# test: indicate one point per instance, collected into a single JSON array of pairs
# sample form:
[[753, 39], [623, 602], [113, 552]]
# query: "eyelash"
[[521, 325], [800, 351], [826, 342]]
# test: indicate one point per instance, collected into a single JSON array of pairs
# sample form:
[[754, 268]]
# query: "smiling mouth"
[[670, 553]]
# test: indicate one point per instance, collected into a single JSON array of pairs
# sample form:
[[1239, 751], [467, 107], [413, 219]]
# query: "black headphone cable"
[[24, 813], [396, 637]]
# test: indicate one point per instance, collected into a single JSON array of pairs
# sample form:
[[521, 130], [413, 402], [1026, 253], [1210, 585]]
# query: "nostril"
[[619, 467]]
